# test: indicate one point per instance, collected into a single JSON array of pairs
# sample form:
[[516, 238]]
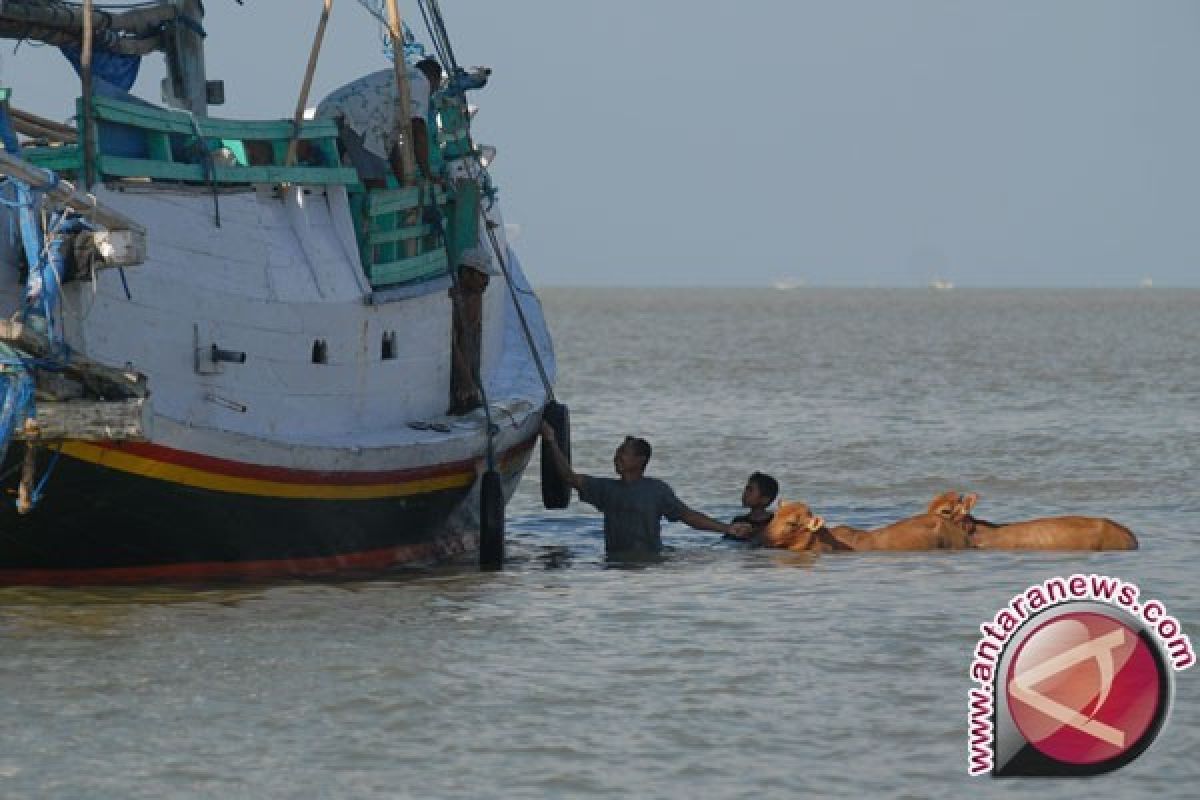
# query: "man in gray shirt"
[[633, 504]]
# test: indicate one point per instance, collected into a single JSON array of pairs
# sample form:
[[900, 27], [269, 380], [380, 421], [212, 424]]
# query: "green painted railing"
[[398, 244], [399, 247], [142, 141]]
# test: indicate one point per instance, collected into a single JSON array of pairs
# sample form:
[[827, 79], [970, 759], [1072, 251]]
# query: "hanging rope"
[[210, 169], [44, 254], [431, 12]]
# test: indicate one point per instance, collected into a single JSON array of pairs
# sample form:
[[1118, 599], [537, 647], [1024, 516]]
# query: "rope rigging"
[[43, 243]]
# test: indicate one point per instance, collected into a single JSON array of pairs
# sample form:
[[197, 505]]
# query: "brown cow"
[[795, 527], [1048, 533]]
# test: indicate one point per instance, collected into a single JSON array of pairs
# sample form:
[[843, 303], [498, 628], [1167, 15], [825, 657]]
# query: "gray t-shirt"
[[632, 510]]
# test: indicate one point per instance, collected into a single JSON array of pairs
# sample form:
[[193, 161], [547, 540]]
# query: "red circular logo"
[[1084, 688]]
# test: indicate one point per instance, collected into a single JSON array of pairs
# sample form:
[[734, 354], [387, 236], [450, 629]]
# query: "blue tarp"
[[112, 72], [7, 135]]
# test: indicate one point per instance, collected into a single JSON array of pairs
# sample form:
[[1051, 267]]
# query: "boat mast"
[[298, 119], [86, 128], [404, 96]]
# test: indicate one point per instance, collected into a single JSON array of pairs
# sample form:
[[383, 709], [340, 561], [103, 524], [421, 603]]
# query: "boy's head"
[[761, 490]]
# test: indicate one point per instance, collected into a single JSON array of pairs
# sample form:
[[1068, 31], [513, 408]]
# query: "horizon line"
[[880, 286]]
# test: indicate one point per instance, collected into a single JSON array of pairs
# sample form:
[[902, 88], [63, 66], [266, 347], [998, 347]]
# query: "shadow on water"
[[536, 542]]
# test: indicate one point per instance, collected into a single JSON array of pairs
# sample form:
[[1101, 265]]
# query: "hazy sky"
[[845, 142]]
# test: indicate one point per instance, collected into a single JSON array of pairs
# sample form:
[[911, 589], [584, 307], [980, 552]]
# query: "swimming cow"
[[795, 527], [1047, 533]]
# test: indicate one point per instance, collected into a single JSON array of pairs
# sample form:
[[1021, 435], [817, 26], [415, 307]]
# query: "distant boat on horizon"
[[939, 283], [784, 284], [1147, 283]]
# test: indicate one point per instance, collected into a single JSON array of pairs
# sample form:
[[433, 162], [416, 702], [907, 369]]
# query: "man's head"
[[432, 70], [632, 456], [761, 490]]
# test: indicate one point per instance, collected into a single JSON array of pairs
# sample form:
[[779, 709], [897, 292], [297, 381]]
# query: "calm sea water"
[[721, 672]]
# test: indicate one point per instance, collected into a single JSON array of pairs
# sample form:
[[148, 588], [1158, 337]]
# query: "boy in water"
[[761, 490]]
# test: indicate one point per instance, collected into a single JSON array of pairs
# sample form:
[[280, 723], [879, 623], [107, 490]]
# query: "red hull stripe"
[[221, 475], [241, 469]]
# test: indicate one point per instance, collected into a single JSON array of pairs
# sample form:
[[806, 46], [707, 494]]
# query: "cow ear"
[[969, 501]]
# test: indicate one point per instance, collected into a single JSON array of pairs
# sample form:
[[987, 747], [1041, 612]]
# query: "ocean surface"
[[721, 672]]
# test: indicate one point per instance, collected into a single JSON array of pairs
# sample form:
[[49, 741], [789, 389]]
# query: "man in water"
[[633, 504]]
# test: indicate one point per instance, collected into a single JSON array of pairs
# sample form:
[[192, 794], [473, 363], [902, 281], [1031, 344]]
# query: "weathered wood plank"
[[385, 201], [64, 132], [56, 386], [64, 192], [146, 168], [67, 17], [59, 159], [88, 420], [429, 265], [100, 379], [378, 237], [170, 121]]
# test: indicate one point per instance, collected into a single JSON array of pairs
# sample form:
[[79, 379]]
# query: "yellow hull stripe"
[[202, 479]]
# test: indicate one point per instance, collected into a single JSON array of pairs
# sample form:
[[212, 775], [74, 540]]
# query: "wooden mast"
[[85, 74], [404, 96], [298, 119]]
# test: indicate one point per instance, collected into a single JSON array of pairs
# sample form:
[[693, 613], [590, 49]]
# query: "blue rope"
[[37, 491], [42, 299], [18, 403]]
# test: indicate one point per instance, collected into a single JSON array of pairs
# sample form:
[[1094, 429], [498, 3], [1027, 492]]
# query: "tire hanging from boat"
[[491, 520], [556, 492]]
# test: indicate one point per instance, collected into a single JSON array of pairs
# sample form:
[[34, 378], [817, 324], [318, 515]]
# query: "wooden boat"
[[251, 379]]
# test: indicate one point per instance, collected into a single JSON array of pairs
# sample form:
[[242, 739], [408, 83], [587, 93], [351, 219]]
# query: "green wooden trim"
[[158, 146], [60, 159], [385, 201], [168, 121], [238, 148], [146, 168], [423, 267], [379, 237]]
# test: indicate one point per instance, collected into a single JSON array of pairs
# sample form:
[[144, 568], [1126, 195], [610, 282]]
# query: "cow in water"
[[795, 527], [1047, 533]]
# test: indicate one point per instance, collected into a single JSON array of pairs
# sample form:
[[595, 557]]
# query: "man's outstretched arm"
[[703, 522], [560, 461]]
